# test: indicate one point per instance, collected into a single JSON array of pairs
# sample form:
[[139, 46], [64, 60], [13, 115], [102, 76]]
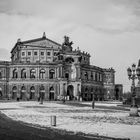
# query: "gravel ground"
[[14, 130]]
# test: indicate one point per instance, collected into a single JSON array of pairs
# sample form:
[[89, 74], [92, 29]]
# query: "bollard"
[[53, 120]]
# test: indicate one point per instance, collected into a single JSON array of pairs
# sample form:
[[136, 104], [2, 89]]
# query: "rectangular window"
[[48, 53], [35, 53], [42, 53], [23, 53], [29, 53]]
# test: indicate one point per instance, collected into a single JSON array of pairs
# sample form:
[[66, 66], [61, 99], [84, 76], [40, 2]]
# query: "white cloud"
[[108, 29]]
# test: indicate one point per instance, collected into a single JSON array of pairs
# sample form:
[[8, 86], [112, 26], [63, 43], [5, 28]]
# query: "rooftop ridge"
[[39, 39]]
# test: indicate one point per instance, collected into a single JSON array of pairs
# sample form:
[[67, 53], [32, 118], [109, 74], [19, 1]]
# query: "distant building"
[[42, 66], [109, 83]]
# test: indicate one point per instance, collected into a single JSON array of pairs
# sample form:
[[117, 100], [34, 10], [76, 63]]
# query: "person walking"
[[93, 102]]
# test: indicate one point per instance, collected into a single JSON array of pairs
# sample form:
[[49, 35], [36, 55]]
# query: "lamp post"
[[64, 92], [93, 102], [133, 73]]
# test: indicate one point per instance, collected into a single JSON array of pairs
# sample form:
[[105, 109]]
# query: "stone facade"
[[42, 66], [109, 83]]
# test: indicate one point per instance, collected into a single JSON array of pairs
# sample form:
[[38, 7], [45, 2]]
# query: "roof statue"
[[139, 63], [19, 40], [44, 35], [67, 42], [67, 45]]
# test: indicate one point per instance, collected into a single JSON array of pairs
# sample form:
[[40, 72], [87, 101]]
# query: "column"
[[47, 91], [28, 73], [37, 72], [55, 91], [57, 70], [47, 73], [19, 72], [55, 76]]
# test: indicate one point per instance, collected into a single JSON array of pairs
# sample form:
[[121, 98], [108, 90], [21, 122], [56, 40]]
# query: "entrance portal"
[[42, 92], [117, 94], [51, 93], [70, 92]]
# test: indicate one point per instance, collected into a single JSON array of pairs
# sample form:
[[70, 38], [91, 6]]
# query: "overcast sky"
[[108, 29]]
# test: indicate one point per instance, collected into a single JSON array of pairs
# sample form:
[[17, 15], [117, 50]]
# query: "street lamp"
[[133, 73], [64, 92]]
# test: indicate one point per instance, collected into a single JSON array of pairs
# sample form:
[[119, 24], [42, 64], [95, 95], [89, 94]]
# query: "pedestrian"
[[93, 102], [41, 98], [38, 97]]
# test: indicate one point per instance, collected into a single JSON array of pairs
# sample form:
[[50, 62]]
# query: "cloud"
[[108, 29], [4, 54], [108, 16], [5, 6]]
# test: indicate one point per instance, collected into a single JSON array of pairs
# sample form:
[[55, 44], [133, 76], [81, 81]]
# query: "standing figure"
[[93, 102], [41, 98]]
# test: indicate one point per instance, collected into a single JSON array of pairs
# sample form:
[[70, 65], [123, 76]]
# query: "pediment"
[[42, 43]]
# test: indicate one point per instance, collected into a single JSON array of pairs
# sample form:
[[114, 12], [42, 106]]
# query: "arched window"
[[23, 89], [42, 74], [51, 89], [51, 93], [0, 75], [32, 89], [86, 75], [14, 89], [32, 73], [15, 73], [86, 89], [51, 74], [42, 89], [32, 92], [23, 73]]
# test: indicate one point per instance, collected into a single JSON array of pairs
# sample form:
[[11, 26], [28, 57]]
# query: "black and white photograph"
[[69, 70]]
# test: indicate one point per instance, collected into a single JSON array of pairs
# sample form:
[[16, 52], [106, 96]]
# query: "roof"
[[39, 39], [91, 67], [108, 70], [19, 42]]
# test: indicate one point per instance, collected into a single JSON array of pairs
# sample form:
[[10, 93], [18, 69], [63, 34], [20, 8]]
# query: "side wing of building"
[[4, 78]]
